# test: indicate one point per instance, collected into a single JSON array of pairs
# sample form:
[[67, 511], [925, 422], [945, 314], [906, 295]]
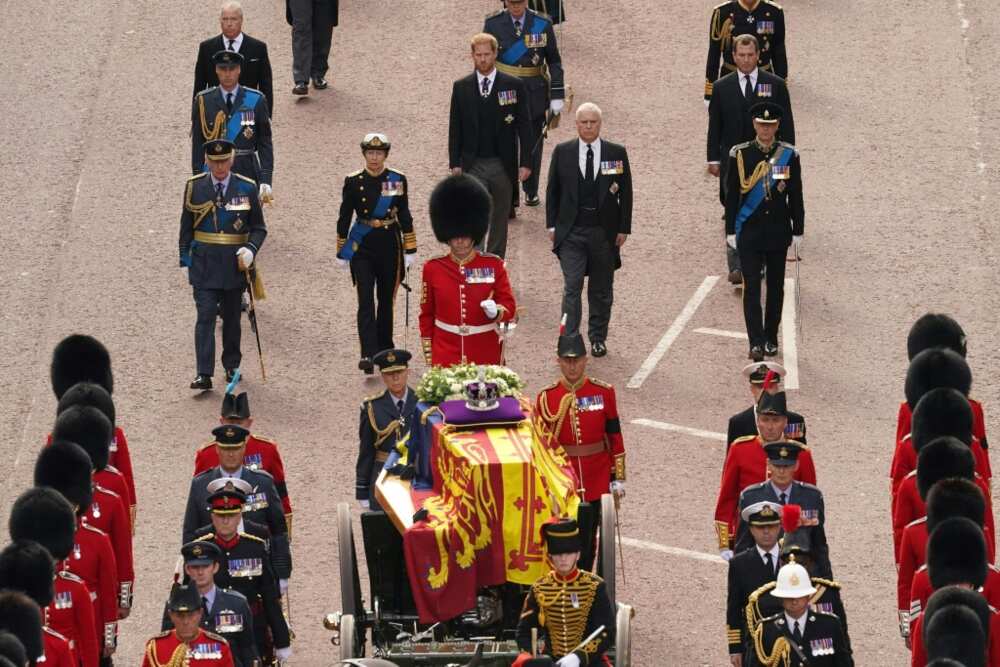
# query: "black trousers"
[[530, 186], [312, 34], [494, 177], [586, 252], [753, 261], [207, 302], [374, 268]]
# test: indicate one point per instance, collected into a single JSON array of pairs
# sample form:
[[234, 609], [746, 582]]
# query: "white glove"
[[364, 503], [571, 660], [557, 106], [797, 245], [264, 192], [283, 654], [245, 257], [408, 259], [618, 488], [731, 241], [489, 307], [726, 554], [343, 263], [707, 102], [283, 586]]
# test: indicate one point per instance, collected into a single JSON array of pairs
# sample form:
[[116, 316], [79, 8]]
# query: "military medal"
[[535, 59], [248, 132], [95, 509], [253, 461], [63, 600], [574, 600], [76, 551], [508, 119]]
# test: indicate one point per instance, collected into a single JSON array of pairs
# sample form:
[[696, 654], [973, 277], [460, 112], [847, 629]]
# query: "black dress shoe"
[[532, 200], [736, 277], [230, 373], [320, 83], [301, 89], [366, 365], [202, 382], [770, 349], [756, 353], [598, 349]]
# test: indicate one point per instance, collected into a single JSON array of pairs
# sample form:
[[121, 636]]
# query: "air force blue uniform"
[[247, 125]]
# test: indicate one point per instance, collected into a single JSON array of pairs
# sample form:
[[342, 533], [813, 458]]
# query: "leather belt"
[[464, 329], [212, 238], [243, 151], [584, 450], [520, 72], [378, 223]]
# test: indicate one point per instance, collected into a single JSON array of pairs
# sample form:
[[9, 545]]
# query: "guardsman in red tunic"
[[65, 467], [88, 427], [261, 453], [746, 464], [79, 358], [581, 416], [21, 617], [44, 516], [187, 644], [466, 293]]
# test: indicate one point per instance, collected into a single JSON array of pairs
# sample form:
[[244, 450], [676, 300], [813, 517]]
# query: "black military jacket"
[[539, 53], [781, 213]]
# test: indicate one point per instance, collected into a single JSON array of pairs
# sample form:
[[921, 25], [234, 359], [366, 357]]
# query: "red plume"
[[791, 516], [769, 378]]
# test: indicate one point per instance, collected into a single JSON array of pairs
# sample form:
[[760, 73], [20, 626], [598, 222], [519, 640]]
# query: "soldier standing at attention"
[[379, 246], [222, 230], [528, 50]]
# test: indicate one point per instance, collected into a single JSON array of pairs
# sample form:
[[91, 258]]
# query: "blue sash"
[[518, 48], [234, 127], [756, 194], [360, 230]]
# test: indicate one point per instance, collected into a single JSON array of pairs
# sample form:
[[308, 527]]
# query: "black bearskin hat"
[[45, 516], [66, 467], [935, 330], [88, 427], [27, 567], [80, 358], [942, 458], [460, 206], [935, 368], [956, 554]]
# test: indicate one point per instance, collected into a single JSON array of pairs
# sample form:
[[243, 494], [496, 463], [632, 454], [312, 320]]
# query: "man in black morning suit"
[[729, 121], [256, 70], [490, 113], [588, 213], [386, 419]]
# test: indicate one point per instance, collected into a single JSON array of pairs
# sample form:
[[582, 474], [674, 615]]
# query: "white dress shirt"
[[743, 80], [775, 551], [479, 80], [237, 43], [801, 620], [596, 145]]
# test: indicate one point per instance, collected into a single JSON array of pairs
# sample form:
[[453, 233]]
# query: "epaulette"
[[263, 439], [244, 178], [742, 439], [206, 91], [212, 635], [98, 487], [165, 633], [773, 617], [545, 18], [722, 4], [54, 633], [826, 613], [208, 444], [69, 576], [255, 90], [355, 173], [114, 470], [738, 147], [763, 589], [587, 575], [252, 538], [483, 253], [397, 171], [601, 383], [550, 386], [261, 471], [206, 536], [89, 527], [806, 485], [916, 521], [197, 176], [829, 583], [368, 399], [774, 4], [912, 473], [785, 144]]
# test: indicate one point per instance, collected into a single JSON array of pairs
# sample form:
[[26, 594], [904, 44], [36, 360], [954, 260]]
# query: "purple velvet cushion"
[[507, 412]]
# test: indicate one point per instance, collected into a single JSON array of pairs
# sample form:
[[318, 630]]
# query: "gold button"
[[361, 188], [363, 199]]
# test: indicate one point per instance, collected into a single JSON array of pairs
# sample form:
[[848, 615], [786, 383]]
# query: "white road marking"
[[788, 341], [721, 332], [673, 551], [675, 329], [676, 428]]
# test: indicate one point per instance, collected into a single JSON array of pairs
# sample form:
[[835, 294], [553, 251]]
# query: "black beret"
[[45, 516], [66, 467], [935, 368], [942, 458], [80, 358], [460, 206], [88, 427], [935, 330]]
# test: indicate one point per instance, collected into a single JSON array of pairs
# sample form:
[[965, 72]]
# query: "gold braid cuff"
[[722, 530]]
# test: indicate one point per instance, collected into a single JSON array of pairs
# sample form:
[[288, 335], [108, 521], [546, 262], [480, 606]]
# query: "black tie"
[[517, 28], [486, 86], [770, 562], [399, 406], [783, 498], [219, 196], [589, 175], [229, 102], [231, 45], [747, 88], [204, 603], [797, 632]]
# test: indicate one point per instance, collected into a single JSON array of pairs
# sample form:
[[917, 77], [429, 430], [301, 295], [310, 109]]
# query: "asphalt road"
[[896, 130]]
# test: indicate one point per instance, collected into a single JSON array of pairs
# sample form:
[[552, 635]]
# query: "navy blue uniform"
[[382, 425], [262, 504], [247, 124]]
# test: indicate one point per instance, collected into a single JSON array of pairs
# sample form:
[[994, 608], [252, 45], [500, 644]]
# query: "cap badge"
[[230, 433], [197, 550], [767, 511], [794, 580], [218, 148], [375, 141], [784, 452], [767, 113], [391, 358]]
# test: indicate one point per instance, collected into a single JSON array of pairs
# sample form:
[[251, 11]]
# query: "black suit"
[[823, 642], [255, 72], [747, 573], [745, 423], [585, 238], [508, 112]]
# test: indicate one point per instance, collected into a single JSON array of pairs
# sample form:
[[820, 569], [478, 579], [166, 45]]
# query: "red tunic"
[[921, 592], [206, 650], [56, 650], [71, 614], [904, 461], [261, 454], [588, 431], [452, 292], [122, 459], [93, 560], [918, 657], [909, 508], [108, 513], [746, 464]]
